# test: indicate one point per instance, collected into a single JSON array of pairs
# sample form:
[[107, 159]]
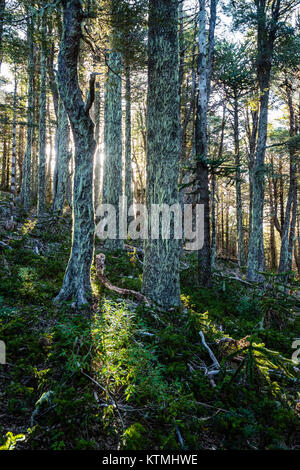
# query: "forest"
[[149, 225]]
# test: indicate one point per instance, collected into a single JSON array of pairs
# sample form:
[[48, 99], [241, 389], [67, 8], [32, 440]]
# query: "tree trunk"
[[76, 284], [2, 9], [97, 170], [204, 254], [161, 261], [292, 200], [41, 205], [112, 175], [63, 158], [13, 159], [239, 207], [25, 195], [128, 170], [266, 35]]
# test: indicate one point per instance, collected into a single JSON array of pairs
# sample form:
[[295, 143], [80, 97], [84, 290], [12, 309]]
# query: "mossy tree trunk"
[[76, 285], [161, 261]]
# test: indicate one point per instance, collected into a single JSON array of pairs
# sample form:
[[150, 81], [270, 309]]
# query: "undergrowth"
[[124, 375]]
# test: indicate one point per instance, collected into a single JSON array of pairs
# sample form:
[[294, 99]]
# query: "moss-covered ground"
[[123, 375]]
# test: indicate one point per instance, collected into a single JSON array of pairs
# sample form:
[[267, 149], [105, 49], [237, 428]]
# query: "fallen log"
[[100, 270]]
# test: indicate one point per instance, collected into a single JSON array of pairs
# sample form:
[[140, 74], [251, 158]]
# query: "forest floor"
[[124, 375]]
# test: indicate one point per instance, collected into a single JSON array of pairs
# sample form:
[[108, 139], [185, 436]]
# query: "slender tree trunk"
[[25, 195], [97, 169], [63, 158], [204, 254], [76, 284], [161, 262], [128, 170], [272, 229], [239, 207], [285, 243], [13, 159], [265, 43], [4, 163], [2, 9], [41, 204]]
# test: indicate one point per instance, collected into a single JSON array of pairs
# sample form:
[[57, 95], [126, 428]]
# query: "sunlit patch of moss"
[[28, 226]]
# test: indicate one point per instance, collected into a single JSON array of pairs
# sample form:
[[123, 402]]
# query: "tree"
[[42, 124], [161, 262], [76, 283], [25, 195]]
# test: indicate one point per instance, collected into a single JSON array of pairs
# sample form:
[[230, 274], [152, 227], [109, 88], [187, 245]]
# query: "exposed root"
[[100, 269]]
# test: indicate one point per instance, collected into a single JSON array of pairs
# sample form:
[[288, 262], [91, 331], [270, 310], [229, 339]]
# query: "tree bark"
[[76, 284], [204, 254], [266, 35], [112, 174], [239, 207], [41, 205], [161, 261], [25, 195]]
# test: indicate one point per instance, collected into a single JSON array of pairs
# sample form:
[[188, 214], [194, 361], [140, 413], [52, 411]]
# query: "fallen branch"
[[100, 269], [214, 369]]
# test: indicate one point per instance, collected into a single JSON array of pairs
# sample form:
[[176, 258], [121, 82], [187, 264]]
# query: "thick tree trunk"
[[76, 285], [204, 254], [161, 261], [112, 175], [41, 205]]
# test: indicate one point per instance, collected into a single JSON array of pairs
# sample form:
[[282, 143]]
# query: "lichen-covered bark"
[[2, 9], [288, 226], [128, 190], [204, 254], [62, 160], [76, 284], [25, 195], [97, 165], [161, 262], [112, 174], [13, 159], [42, 126]]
